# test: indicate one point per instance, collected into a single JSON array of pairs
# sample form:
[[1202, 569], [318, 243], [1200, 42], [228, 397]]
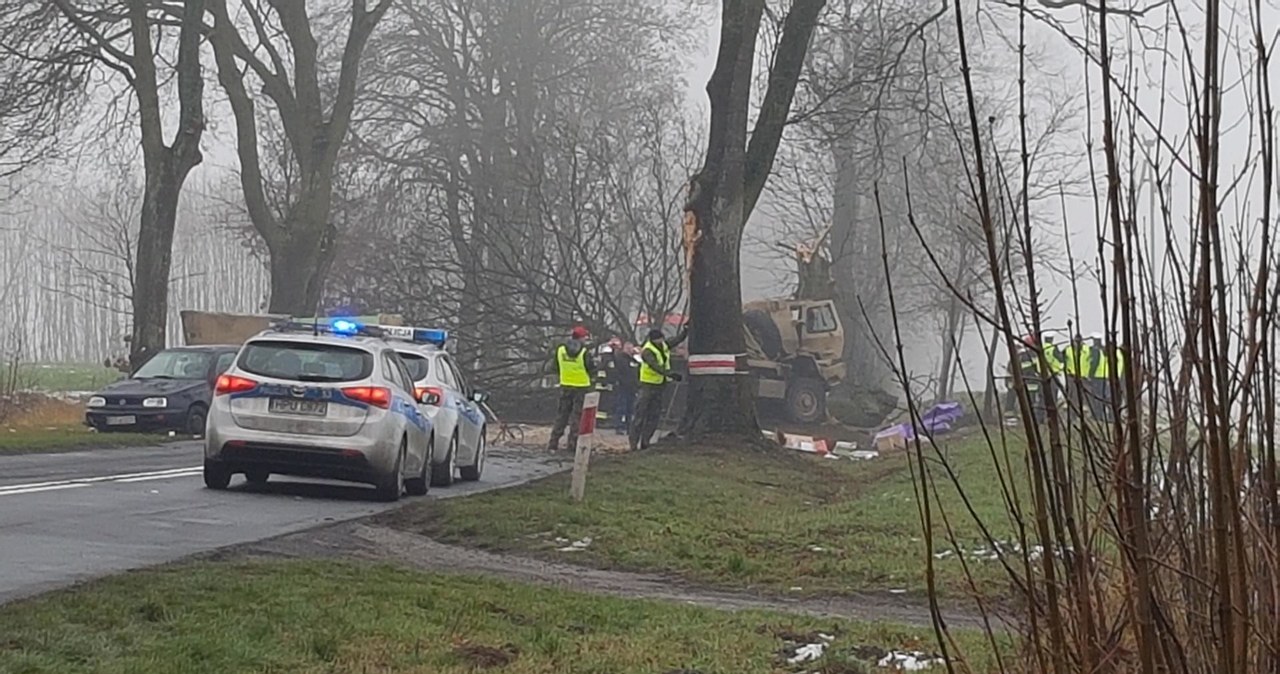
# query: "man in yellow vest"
[[575, 366], [1078, 365], [655, 371], [1110, 369]]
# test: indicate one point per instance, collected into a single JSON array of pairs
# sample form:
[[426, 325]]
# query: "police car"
[[319, 400], [456, 409]]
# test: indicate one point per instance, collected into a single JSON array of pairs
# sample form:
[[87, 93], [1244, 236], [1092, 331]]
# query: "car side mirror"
[[479, 397], [429, 398]]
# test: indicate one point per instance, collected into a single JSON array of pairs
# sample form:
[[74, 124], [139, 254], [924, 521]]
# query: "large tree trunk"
[[299, 266], [150, 299], [723, 196], [166, 168]]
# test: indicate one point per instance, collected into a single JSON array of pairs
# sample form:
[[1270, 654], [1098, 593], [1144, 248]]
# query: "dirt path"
[[364, 541]]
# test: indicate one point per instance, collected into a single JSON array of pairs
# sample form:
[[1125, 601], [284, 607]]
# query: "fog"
[[417, 191]]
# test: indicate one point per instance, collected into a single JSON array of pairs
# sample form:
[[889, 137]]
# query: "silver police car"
[[456, 409], [319, 400]]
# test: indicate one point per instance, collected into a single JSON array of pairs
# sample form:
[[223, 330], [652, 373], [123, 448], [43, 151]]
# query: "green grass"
[[68, 439], [62, 376], [779, 521], [328, 617]]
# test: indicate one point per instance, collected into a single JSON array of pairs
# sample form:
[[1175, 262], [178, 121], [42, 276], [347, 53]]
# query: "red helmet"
[[580, 332], [1029, 340]]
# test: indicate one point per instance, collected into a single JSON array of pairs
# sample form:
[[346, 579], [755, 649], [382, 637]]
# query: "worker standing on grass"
[[624, 373], [655, 371], [1041, 387], [1078, 367], [575, 367], [1110, 370]]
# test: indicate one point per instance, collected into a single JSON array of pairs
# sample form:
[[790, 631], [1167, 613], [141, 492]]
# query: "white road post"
[[582, 457]]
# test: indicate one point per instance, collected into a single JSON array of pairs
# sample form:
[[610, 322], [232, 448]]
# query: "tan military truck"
[[795, 349]]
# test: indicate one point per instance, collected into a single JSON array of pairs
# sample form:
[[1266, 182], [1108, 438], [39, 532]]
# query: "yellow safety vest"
[[1076, 360], [649, 375], [573, 371], [1105, 365]]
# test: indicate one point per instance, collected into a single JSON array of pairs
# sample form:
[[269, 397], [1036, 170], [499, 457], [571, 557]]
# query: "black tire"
[[391, 487], [442, 473], [257, 476], [472, 473], [807, 400], [216, 475], [418, 486], [196, 418], [760, 324]]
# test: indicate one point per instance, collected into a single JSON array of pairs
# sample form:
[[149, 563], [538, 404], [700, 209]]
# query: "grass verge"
[[779, 521], [313, 617], [62, 376], [55, 439]]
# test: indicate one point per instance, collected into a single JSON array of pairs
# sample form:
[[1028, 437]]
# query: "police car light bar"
[[343, 327], [436, 336]]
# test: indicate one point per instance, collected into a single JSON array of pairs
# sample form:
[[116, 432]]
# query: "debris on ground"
[[997, 550], [576, 546], [807, 649], [913, 661], [937, 420]]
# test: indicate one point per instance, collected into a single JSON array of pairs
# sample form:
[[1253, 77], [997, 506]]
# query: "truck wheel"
[[807, 400]]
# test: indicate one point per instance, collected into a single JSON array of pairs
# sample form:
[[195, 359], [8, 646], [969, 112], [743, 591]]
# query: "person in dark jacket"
[[575, 366], [655, 372], [624, 374]]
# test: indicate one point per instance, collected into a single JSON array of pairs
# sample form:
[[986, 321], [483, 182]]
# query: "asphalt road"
[[65, 518]]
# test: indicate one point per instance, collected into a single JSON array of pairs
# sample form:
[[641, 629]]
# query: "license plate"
[[306, 408], [121, 421]]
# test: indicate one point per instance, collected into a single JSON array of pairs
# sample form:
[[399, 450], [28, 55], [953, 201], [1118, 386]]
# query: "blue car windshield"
[[175, 365]]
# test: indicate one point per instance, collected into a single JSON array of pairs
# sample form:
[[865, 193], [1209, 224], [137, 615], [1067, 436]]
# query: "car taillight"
[[229, 383], [421, 391], [370, 395]]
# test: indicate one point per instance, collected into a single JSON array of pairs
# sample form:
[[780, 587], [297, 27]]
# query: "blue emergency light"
[[435, 336], [344, 326]]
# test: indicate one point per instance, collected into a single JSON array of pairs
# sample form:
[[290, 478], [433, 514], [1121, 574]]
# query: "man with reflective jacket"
[[575, 366], [655, 372]]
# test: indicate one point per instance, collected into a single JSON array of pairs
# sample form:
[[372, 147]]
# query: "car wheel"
[[472, 473], [257, 476], [442, 473], [216, 476], [391, 487], [418, 486], [196, 418]]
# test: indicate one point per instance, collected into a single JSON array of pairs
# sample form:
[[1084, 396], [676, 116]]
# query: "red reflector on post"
[[377, 396]]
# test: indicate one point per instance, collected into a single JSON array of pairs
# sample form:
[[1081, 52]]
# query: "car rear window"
[[302, 361], [418, 366]]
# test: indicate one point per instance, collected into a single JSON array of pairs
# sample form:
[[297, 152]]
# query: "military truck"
[[795, 352]]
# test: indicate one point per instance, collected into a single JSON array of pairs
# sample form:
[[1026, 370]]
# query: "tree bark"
[[725, 192], [301, 240], [166, 168]]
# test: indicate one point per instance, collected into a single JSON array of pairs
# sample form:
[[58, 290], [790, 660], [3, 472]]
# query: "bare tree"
[[130, 39], [724, 193], [294, 67]]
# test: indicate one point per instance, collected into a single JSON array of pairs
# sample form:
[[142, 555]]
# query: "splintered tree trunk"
[[718, 404], [725, 191]]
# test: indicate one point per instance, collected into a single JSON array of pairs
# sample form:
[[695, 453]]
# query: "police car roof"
[[275, 335]]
